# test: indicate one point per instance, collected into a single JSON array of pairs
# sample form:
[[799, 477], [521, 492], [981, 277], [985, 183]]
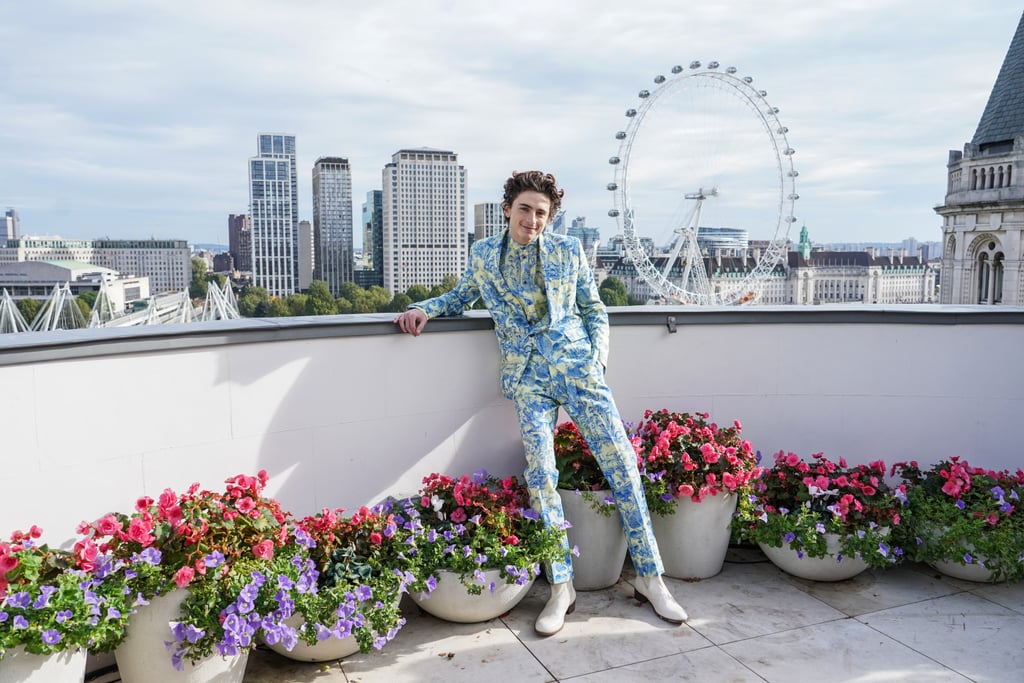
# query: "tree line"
[[256, 302]]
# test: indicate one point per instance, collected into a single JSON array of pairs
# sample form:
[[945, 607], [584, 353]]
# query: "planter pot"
[[975, 571], [19, 666], [326, 650], [694, 540], [600, 539], [143, 657], [815, 568], [452, 602], [968, 572]]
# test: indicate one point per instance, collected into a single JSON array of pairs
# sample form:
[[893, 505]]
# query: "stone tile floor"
[[751, 622]]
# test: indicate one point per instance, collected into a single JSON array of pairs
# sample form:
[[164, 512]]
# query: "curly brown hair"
[[537, 181]]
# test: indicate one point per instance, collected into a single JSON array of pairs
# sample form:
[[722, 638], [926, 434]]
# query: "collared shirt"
[[520, 266]]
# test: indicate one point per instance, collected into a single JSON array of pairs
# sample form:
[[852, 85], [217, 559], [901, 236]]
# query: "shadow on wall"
[[344, 422]]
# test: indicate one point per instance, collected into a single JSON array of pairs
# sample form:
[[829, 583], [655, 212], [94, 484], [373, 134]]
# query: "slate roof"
[[1003, 118]]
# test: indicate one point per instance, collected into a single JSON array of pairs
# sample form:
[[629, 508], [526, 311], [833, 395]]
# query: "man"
[[553, 332]]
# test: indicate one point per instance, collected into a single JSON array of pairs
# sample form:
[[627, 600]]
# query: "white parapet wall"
[[343, 410]]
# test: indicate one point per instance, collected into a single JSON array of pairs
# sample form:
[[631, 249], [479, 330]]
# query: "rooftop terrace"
[[751, 623], [342, 410]]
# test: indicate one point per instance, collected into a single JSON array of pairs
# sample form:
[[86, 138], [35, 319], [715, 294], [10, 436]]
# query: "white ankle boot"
[[561, 602], [653, 590]]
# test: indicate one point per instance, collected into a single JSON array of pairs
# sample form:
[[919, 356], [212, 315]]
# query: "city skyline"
[[116, 125]]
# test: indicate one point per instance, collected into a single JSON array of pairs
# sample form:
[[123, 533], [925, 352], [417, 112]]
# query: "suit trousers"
[[586, 398]]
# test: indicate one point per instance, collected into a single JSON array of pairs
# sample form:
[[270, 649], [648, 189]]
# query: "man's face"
[[528, 216]]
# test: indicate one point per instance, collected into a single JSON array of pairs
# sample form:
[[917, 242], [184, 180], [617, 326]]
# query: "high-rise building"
[[589, 236], [307, 255], [373, 239], [488, 219], [332, 222], [240, 241], [424, 218], [274, 214], [12, 232], [983, 212]]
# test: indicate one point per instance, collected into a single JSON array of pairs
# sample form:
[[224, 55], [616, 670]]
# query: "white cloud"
[[155, 106]]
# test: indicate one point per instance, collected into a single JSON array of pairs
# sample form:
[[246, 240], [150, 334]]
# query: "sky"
[[132, 120]]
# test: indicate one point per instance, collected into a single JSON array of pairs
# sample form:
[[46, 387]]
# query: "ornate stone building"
[[983, 213]]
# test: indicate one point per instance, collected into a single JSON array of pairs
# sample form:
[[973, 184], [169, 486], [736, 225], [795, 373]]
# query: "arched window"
[[984, 273], [974, 179], [1009, 178], [991, 177], [997, 278], [1000, 174]]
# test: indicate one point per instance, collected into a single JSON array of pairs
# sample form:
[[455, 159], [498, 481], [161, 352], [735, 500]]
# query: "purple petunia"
[[51, 637]]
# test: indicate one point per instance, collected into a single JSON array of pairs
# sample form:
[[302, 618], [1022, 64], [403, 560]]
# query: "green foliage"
[[350, 290], [217, 279], [249, 303], [28, 308], [296, 303], [966, 515], [417, 293], [399, 303], [89, 297], [613, 292], [198, 287], [84, 307], [320, 301], [277, 308], [345, 306]]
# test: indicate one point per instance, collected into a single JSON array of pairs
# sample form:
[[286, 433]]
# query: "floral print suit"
[[557, 360]]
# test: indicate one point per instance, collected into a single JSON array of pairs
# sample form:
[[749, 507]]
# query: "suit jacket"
[[577, 334]]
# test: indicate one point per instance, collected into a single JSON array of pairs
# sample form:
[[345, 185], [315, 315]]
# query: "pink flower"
[[7, 563], [167, 499], [108, 525], [264, 550], [245, 504], [139, 531], [143, 503], [86, 552], [685, 490], [183, 577], [376, 538], [459, 516]]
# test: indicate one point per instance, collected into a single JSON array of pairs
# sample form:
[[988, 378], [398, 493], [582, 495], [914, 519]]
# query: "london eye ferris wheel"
[[703, 155]]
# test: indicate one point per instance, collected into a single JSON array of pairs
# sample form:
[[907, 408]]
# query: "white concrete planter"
[[19, 666], [694, 540], [143, 658], [815, 568], [452, 602], [968, 572], [326, 650], [600, 540]]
